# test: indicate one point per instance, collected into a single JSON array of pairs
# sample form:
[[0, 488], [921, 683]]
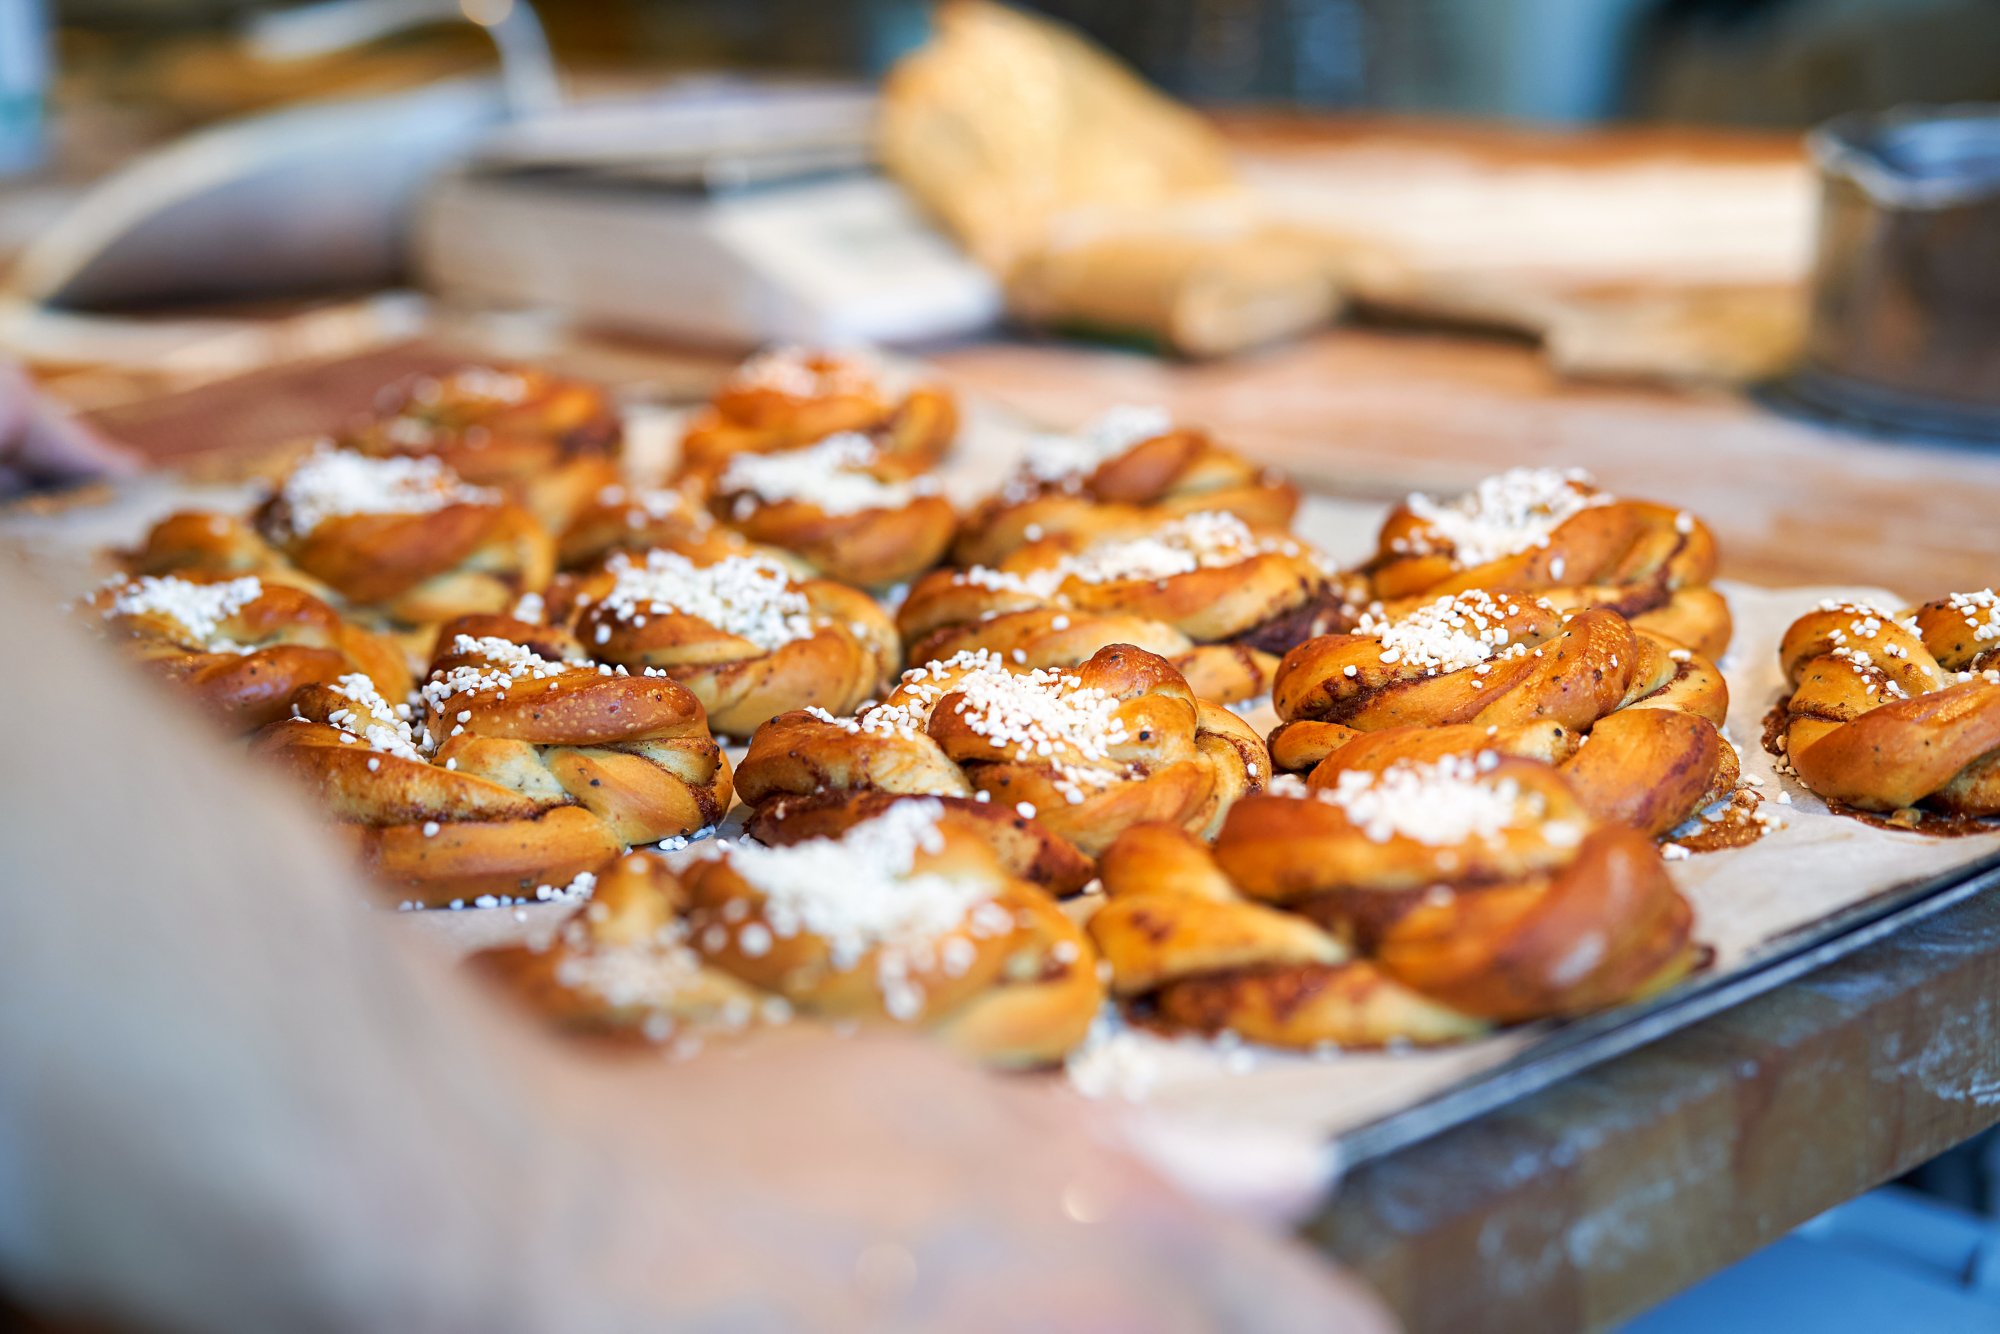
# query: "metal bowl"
[[1905, 331]]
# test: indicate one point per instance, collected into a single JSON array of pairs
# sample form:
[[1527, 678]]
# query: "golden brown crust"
[[433, 836], [629, 518], [1183, 942], [635, 751], [1200, 618], [997, 527], [1651, 563], [1533, 950], [1164, 756], [851, 650], [1552, 915], [423, 568], [463, 861], [1170, 914], [1889, 713], [551, 641], [1180, 471], [760, 414], [1013, 983], [1653, 769], [1298, 851], [549, 441], [203, 542], [1048, 993], [541, 769], [634, 910], [1353, 1005], [801, 755], [1025, 848], [1049, 637], [872, 548], [290, 639], [1652, 708]]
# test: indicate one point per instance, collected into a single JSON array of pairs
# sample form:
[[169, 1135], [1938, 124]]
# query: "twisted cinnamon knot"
[[242, 648], [205, 543], [549, 442], [740, 633], [405, 537], [907, 917], [1509, 672], [622, 966], [850, 511], [633, 750], [1077, 756], [1185, 944], [531, 764], [434, 834], [1134, 461], [1472, 889], [1888, 713], [789, 397], [641, 519], [1555, 534], [1204, 591]]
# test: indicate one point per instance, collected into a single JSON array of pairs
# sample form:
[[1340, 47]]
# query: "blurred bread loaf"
[[1098, 203]]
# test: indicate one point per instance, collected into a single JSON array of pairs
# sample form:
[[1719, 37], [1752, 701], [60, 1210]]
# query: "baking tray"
[[1774, 915], [1576, 1046]]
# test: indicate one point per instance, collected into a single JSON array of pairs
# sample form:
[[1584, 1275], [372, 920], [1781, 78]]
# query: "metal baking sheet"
[[1576, 1046], [1265, 1124]]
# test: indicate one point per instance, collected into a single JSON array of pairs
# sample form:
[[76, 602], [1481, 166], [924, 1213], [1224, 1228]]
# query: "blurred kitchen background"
[[1745, 62], [191, 188]]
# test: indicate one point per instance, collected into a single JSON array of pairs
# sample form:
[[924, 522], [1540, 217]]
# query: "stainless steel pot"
[[1905, 330]]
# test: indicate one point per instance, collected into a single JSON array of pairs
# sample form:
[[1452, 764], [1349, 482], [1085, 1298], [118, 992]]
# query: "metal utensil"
[[1905, 331]]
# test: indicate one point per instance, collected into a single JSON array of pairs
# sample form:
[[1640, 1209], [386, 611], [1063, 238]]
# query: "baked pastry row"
[[1057, 700], [471, 489], [1416, 903]]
